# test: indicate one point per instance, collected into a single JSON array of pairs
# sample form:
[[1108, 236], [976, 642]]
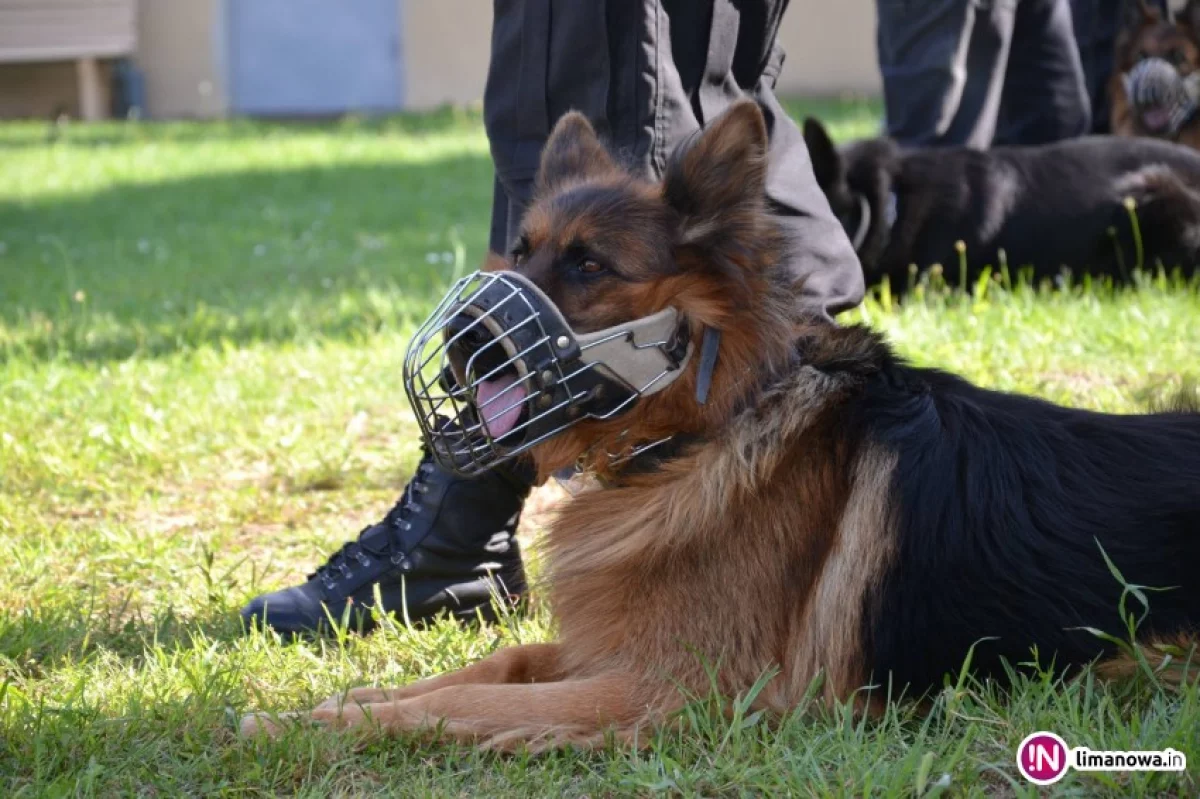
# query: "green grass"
[[201, 328]]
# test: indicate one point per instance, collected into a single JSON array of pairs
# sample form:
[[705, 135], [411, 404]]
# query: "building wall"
[[50, 30], [446, 46], [38, 41], [180, 56], [830, 48]]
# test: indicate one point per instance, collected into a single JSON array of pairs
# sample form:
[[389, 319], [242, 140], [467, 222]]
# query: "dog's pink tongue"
[[1156, 118], [499, 401]]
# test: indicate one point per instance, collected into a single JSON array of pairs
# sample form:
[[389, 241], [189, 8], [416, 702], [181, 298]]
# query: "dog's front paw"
[[354, 697], [333, 703], [339, 716], [270, 724]]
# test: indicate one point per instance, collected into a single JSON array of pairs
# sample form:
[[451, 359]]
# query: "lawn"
[[201, 330]]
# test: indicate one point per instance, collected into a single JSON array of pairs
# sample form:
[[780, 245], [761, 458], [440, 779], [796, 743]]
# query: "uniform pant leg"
[[1045, 96], [1096, 25], [943, 63], [826, 270], [738, 58]]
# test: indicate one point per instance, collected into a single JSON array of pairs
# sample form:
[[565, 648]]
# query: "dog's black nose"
[[448, 382], [466, 331]]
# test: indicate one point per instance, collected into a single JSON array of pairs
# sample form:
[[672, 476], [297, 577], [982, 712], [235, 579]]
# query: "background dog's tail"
[[1167, 212], [1171, 661]]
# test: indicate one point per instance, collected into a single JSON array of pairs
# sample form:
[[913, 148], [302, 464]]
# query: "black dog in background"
[[1050, 208]]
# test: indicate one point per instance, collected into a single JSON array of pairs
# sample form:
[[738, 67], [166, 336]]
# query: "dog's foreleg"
[[517, 664], [580, 712], [521, 664]]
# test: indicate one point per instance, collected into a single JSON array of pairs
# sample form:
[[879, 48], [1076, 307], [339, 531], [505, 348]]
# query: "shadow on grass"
[[40, 638], [271, 255], [251, 256], [38, 133]]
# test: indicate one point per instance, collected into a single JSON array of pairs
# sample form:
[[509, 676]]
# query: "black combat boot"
[[447, 545]]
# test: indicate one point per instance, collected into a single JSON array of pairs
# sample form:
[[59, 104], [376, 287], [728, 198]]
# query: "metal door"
[[313, 57]]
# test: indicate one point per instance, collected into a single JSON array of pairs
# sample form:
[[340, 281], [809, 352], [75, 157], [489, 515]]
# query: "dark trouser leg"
[[711, 75], [829, 278], [1044, 98], [548, 57], [508, 204], [974, 73], [649, 73], [942, 63], [1096, 24]]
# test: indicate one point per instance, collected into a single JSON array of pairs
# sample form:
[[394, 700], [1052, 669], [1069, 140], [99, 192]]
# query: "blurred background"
[[171, 59]]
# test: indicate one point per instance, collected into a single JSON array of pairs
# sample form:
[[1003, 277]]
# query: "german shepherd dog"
[[830, 513], [1048, 208], [1148, 34]]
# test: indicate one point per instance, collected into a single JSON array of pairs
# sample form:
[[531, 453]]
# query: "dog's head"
[[1147, 34], [858, 183], [608, 246]]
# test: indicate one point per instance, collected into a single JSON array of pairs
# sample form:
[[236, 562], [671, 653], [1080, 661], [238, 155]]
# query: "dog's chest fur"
[[740, 555]]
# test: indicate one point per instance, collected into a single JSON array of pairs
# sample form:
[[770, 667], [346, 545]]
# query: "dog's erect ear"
[[1189, 17], [573, 152], [1139, 13], [494, 262], [826, 162], [721, 169]]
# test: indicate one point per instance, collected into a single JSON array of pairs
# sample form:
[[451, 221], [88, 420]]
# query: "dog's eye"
[[520, 250], [590, 267]]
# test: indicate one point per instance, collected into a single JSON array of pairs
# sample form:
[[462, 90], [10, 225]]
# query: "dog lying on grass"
[[826, 512], [1070, 204]]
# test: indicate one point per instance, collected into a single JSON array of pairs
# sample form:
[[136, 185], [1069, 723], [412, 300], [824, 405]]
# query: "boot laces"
[[399, 519]]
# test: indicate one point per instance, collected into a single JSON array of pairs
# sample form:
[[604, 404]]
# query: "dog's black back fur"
[[1002, 504], [1045, 207]]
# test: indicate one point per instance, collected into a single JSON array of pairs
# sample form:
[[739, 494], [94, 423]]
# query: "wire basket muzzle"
[[495, 370]]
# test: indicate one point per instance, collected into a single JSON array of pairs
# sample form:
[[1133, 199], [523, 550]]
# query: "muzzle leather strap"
[[640, 352]]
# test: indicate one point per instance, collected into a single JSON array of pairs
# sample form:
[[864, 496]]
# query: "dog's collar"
[[864, 222], [650, 458], [643, 458], [861, 231]]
